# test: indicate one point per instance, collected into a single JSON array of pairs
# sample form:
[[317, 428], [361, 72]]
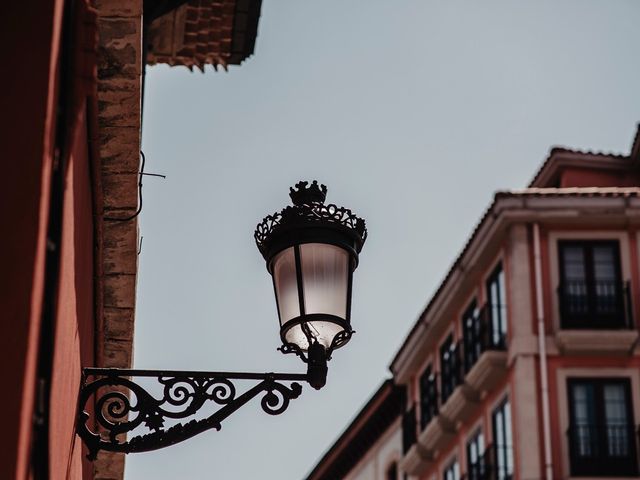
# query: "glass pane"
[[604, 268], [322, 331], [574, 270], [615, 406], [503, 303], [508, 439], [585, 434], [503, 441], [284, 277], [324, 279], [497, 298]]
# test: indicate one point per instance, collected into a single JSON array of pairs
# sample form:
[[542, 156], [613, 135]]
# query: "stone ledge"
[[597, 342], [416, 460], [436, 434], [488, 371], [460, 405]]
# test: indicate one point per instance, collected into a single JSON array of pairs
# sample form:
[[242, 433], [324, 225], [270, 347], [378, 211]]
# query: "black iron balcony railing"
[[596, 450], [429, 404], [482, 468], [451, 374], [492, 465], [481, 334], [409, 432], [595, 305]]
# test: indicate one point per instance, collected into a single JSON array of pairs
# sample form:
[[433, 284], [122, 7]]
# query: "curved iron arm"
[[121, 406]]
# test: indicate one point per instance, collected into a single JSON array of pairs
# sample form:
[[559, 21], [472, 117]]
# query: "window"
[[392, 472], [472, 333], [449, 368], [452, 472], [502, 440], [476, 466], [428, 397], [601, 432], [497, 308], [590, 290], [408, 429]]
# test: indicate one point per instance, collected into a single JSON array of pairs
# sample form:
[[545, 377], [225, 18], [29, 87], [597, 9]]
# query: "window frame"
[[450, 378], [609, 466], [508, 475], [450, 467], [481, 461], [428, 380], [591, 319], [503, 306]]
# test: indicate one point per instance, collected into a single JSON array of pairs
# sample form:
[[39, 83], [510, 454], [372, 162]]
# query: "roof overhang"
[[606, 207], [382, 409], [202, 32]]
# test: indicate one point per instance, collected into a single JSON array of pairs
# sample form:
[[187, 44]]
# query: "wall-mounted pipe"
[[542, 350]]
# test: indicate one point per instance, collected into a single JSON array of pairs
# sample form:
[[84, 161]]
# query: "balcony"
[[595, 305], [587, 308], [409, 429], [485, 356], [429, 403], [416, 459], [452, 373], [603, 450], [483, 468]]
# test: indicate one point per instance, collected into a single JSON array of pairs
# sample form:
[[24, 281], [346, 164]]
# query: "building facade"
[[524, 364], [70, 199]]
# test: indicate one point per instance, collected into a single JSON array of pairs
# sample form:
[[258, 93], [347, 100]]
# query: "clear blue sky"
[[412, 113]]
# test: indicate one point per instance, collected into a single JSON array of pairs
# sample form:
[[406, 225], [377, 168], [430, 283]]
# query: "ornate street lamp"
[[311, 250]]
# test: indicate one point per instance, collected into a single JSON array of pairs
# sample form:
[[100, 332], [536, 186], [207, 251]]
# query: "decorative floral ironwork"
[[121, 405], [339, 340], [293, 348], [309, 209]]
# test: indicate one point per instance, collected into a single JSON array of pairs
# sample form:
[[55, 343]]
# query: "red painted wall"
[[29, 88], [584, 177], [28, 152], [74, 324]]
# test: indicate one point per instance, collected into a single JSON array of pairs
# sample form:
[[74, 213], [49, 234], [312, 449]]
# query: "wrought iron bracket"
[[121, 407]]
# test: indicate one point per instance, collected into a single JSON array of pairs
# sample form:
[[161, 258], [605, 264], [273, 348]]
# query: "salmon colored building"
[[70, 198], [525, 364]]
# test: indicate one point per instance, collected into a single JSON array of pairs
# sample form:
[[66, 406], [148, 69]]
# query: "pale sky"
[[412, 113]]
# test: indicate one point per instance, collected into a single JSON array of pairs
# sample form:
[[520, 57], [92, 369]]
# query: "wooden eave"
[[204, 32]]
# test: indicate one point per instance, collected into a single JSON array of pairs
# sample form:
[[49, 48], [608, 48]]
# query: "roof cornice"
[[612, 206]]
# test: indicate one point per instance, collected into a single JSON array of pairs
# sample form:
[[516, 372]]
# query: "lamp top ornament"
[[309, 220], [304, 194]]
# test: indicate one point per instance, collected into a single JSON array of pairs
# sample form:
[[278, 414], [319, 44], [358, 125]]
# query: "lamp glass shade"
[[311, 283], [324, 279], [286, 285]]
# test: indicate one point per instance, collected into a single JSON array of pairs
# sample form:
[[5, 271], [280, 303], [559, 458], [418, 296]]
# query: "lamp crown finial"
[[304, 194]]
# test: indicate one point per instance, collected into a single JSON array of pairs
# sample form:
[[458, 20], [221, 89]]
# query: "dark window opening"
[[601, 432], [478, 468], [450, 371], [392, 472], [502, 442], [591, 292], [428, 397], [482, 331], [452, 472], [497, 308], [408, 429]]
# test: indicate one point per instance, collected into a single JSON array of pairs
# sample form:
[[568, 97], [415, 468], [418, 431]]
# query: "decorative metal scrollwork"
[[309, 209], [121, 407]]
